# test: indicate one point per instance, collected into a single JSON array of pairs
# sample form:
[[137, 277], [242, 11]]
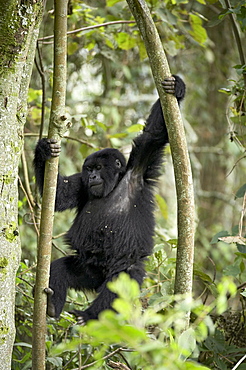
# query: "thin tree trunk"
[[57, 127], [181, 162], [17, 49]]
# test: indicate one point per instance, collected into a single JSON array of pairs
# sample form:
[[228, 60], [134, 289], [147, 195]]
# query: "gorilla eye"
[[88, 169], [98, 167], [118, 163]]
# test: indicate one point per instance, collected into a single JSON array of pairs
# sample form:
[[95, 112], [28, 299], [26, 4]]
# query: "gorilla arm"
[[70, 192]]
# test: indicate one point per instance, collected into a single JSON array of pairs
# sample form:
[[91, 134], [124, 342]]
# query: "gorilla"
[[114, 224]]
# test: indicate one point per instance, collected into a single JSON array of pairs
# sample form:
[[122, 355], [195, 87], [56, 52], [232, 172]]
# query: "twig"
[[240, 226], [241, 286], [89, 28], [120, 349], [239, 362], [81, 141], [30, 206], [26, 179], [59, 235], [235, 164], [237, 38], [40, 69], [59, 249], [118, 365], [213, 280]]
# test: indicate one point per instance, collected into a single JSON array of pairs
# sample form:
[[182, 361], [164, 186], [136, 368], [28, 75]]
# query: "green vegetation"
[[109, 93]]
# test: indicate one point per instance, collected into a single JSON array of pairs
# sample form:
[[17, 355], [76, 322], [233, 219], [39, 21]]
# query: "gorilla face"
[[102, 172]]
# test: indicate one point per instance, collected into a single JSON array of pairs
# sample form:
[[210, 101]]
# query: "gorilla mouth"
[[96, 188], [95, 184]]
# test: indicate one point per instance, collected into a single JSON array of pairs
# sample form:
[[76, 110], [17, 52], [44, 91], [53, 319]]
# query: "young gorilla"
[[113, 229]]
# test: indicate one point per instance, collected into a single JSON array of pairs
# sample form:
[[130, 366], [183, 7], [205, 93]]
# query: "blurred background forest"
[[110, 91]]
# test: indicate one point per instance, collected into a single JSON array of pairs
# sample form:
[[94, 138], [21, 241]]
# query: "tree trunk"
[[19, 26], [178, 145], [57, 127]]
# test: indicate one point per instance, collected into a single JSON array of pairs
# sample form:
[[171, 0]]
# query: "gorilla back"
[[113, 229]]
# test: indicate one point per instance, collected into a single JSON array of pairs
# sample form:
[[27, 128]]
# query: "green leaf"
[[241, 254], [118, 136], [125, 287], [34, 94], [240, 193], [135, 128], [214, 21], [142, 50], [187, 342], [123, 307], [225, 91], [162, 205], [72, 47], [219, 235], [239, 120], [101, 125], [90, 45], [125, 41], [241, 248], [224, 287], [109, 43], [240, 68], [56, 361], [232, 270], [194, 366], [224, 13], [202, 275], [24, 360], [173, 242], [198, 32], [23, 344], [112, 2]]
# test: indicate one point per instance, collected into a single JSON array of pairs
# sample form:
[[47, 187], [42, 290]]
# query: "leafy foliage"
[[108, 87]]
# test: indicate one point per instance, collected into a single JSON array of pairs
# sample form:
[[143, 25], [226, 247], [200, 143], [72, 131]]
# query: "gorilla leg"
[[105, 297], [101, 303], [69, 272]]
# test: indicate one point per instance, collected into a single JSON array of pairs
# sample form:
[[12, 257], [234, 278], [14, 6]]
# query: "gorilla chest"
[[100, 220], [114, 227], [97, 234], [110, 223]]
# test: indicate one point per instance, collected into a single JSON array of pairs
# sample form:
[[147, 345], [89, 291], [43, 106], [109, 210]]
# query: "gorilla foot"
[[81, 321], [81, 317], [51, 310]]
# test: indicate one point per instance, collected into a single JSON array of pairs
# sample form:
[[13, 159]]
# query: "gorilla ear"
[[118, 163]]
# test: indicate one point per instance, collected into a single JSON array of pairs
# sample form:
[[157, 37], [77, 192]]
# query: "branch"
[[40, 69], [181, 163], [57, 127], [30, 204], [89, 28], [120, 349], [237, 38], [26, 178], [118, 365]]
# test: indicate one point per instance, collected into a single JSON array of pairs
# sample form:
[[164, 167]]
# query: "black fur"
[[114, 225]]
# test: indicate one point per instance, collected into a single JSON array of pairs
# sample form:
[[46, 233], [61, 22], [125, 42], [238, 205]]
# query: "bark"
[[181, 162], [19, 26], [57, 127]]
